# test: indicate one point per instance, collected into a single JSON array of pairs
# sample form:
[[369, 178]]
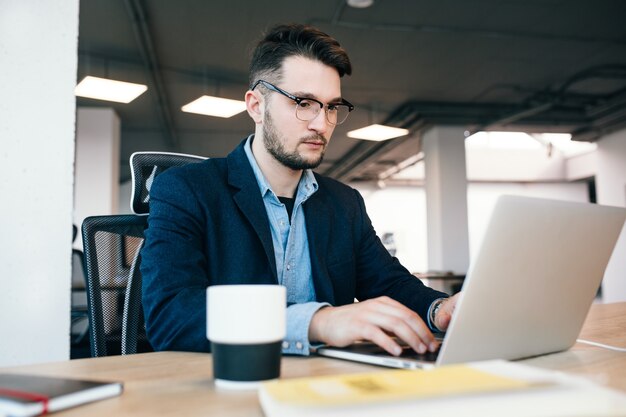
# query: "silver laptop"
[[528, 290]]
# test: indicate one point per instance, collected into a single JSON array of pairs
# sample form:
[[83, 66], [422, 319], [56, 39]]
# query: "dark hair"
[[284, 41]]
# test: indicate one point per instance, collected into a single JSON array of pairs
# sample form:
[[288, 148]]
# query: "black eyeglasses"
[[308, 108]]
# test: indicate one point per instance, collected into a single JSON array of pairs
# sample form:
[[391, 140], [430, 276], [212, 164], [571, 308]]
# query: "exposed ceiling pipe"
[[517, 116], [372, 152], [146, 46], [618, 101], [410, 161], [610, 71], [346, 170]]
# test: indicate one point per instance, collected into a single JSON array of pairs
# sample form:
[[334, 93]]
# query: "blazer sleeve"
[[379, 273], [173, 267]]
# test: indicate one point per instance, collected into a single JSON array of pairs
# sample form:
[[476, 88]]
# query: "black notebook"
[[30, 395]]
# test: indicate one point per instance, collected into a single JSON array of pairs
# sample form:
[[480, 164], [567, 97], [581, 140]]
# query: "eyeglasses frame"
[[298, 100]]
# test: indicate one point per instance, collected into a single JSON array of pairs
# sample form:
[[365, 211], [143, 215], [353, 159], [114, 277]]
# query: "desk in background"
[[447, 282], [179, 383]]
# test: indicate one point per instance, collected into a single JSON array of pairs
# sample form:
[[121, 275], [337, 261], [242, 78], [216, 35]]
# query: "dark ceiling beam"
[[146, 46], [483, 114], [494, 34], [221, 76], [593, 134], [601, 126]]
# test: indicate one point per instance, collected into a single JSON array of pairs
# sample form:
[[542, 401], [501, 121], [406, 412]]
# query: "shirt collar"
[[307, 185]]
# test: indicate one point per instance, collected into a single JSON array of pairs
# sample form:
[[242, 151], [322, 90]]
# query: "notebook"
[[31, 395], [528, 289]]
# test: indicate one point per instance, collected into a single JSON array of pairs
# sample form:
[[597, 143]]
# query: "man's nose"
[[319, 123]]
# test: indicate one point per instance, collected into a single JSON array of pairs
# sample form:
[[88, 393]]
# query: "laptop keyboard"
[[409, 353]]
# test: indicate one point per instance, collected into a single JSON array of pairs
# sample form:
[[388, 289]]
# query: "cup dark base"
[[246, 363]]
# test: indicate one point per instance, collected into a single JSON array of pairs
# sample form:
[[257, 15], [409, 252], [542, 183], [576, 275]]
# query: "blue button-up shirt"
[[293, 261]]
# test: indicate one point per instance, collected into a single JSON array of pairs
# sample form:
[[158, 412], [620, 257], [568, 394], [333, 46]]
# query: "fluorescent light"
[[109, 90], [215, 106], [377, 132], [360, 4]]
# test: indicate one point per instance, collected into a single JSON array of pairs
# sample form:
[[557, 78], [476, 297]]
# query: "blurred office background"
[[495, 96]]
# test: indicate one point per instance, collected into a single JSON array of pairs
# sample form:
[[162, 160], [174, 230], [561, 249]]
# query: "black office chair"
[[144, 168], [79, 317], [112, 246]]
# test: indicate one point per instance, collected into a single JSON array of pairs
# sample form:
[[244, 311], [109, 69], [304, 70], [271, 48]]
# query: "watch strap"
[[433, 312]]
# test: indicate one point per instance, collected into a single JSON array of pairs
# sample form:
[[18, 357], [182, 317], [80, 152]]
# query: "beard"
[[292, 160]]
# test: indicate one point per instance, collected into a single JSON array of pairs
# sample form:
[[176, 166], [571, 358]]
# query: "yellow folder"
[[391, 385]]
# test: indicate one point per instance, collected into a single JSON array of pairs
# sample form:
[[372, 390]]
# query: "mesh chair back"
[[111, 247], [79, 318], [144, 167]]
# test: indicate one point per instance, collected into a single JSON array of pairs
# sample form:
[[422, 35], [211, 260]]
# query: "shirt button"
[[288, 267], [285, 345], [299, 346]]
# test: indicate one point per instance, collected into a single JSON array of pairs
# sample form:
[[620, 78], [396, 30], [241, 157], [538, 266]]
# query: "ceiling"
[[531, 65]]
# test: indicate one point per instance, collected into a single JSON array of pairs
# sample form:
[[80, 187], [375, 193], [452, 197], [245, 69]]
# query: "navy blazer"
[[208, 226]]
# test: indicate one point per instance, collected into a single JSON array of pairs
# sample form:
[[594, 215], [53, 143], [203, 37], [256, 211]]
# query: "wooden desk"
[[180, 384]]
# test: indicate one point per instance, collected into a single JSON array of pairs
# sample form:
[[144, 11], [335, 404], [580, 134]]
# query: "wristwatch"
[[434, 310]]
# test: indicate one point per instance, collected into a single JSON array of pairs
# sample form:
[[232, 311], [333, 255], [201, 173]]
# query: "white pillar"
[[611, 189], [38, 55], [97, 163], [446, 199]]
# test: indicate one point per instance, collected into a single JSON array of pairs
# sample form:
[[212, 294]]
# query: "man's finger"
[[393, 308], [376, 335]]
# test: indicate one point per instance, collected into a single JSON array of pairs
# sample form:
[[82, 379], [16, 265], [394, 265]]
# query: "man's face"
[[294, 143]]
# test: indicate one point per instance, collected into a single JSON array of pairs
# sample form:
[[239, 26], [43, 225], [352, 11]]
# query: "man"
[[261, 216]]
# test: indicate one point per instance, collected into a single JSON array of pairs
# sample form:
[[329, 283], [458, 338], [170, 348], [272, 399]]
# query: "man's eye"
[[332, 107], [305, 104]]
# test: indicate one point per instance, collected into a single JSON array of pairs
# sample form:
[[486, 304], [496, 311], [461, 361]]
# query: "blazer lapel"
[[317, 215], [249, 200]]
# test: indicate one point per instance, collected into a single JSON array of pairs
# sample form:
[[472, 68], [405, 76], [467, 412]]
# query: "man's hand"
[[376, 320], [444, 314]]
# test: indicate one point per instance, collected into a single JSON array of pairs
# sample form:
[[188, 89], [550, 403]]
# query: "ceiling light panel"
[[377, 132], [109, 90], [215, 106]]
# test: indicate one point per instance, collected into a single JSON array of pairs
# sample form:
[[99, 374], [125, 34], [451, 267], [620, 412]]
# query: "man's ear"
[[254, 106]]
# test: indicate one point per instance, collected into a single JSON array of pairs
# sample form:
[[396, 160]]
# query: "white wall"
[[518, 165], [38, 53], [97, 164], [582, 166], [611, 190], [401, 210], [126, 190], [482, 197]]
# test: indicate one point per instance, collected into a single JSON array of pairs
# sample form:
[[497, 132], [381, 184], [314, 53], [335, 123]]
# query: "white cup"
[[246, 327]]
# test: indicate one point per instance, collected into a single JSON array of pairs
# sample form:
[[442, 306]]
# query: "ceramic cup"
[[246, 327]]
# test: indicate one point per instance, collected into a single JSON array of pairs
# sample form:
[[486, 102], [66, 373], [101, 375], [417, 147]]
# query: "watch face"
[[434, 312]]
